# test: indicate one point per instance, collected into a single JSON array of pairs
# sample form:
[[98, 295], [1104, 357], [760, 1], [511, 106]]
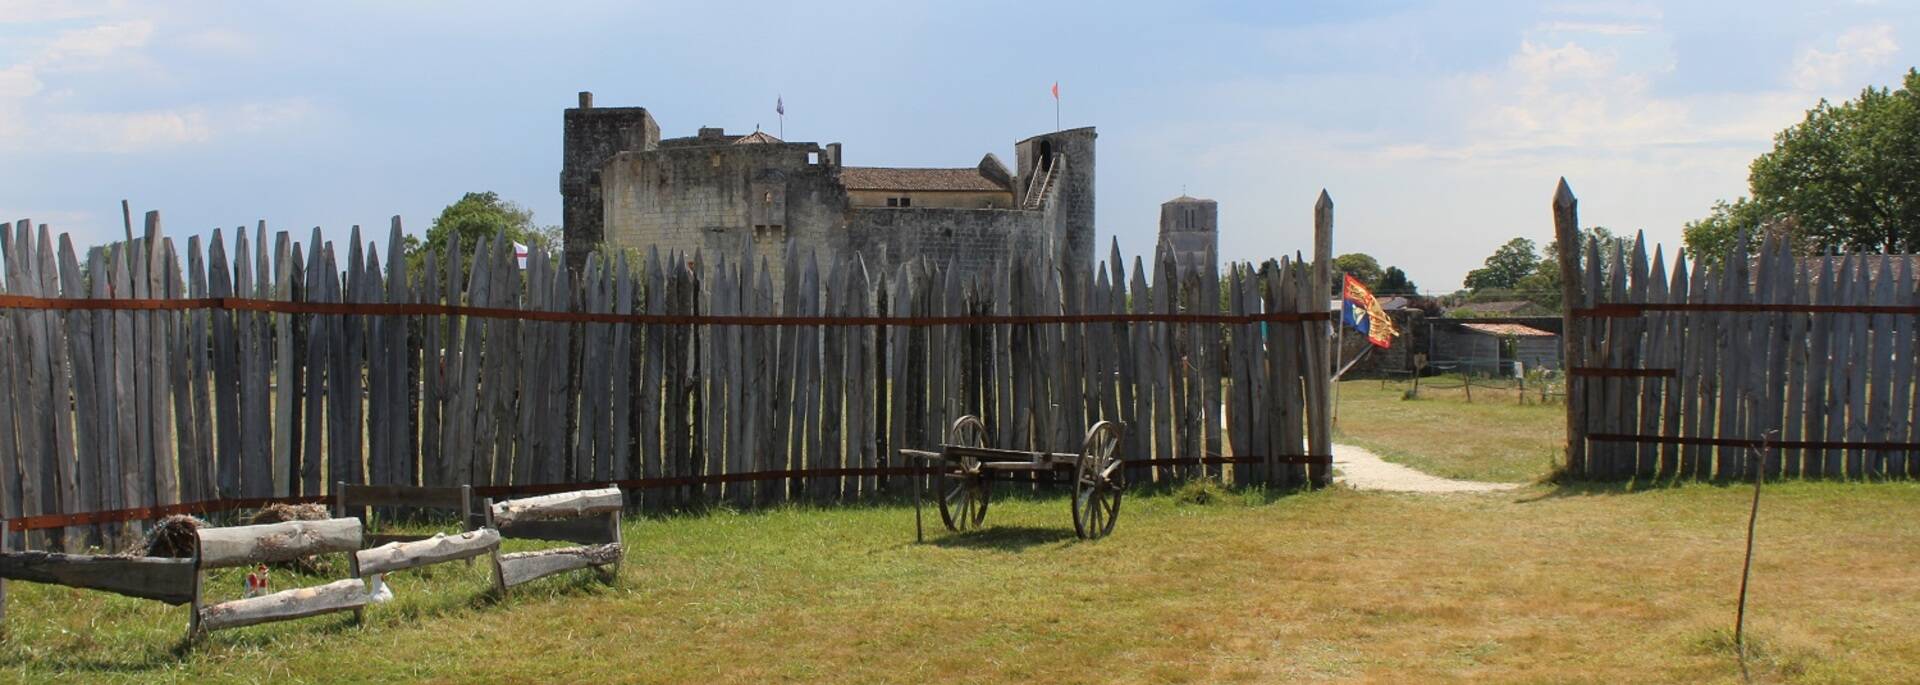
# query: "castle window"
[[906, 202], [893, 202]]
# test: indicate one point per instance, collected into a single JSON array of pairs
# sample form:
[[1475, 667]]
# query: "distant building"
[[1190, 228], [624, 186]]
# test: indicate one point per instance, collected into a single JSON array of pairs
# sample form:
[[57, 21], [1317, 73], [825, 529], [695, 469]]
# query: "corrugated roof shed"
[[1506, 329]]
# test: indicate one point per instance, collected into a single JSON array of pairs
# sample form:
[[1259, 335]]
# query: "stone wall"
[[969, 239], [702, 198]]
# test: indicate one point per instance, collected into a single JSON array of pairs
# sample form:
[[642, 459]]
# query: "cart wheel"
[[1098, 479], [963, 490]]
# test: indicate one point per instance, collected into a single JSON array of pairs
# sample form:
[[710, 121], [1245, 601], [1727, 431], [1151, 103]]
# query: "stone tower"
[[1190, 228], [1055, 172], [592, 137]]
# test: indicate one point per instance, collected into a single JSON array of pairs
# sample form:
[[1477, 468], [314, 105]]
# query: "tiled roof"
[[1505, 329], [757, 137], [885, 178]]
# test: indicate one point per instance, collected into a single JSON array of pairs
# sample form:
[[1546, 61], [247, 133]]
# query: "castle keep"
[[623, 186]]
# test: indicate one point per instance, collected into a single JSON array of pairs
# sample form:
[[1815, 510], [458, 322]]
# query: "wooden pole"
[[1566, 230], [1746, 568]]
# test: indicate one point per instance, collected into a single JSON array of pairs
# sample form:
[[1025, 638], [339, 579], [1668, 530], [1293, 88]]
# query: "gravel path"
[[1365, 470]]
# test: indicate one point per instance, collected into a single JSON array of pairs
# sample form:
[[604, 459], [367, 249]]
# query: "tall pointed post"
[[1566, 232], [1320, 423]]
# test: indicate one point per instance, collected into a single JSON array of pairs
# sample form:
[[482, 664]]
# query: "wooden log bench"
[[239, 546], [588, 518]]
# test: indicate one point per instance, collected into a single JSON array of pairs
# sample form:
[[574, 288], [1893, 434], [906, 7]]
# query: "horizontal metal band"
[[1617, 310], [1602, 372], [1755, 444], [401, 309]]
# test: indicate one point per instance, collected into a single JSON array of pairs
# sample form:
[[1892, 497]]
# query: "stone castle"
[[1190, 229], [623, 186]]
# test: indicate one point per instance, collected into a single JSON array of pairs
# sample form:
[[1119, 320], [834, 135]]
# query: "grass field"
[[1582, 585], [1492, 438]]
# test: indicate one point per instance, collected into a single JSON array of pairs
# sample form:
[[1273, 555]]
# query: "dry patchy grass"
[[1584, 584], [1492, 438]]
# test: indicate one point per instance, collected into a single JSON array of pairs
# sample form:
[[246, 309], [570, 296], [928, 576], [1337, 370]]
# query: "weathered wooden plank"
[[521, 567], [78, 327], [126, 452], [1904, 339], [1879, 408], [339, 595], [1859, 291], [286, 382], [274, 542], [105, 424], [649, 398], [463, 365], [226, 369], [860, 381], [588, 530], [806, 390], [316, 347], [256, 465], [557, 506], [10, 389], [1678, 344], [832, 381], [50, 350], [619, 451], [156, 578], [399, 556]]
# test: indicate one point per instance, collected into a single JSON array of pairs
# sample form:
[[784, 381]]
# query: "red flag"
[[1056, 90]]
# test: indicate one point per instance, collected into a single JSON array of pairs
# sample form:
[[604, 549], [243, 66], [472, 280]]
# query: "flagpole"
[[1339, 348]]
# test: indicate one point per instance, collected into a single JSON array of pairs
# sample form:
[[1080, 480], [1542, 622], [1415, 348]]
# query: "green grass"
[[1584, 584], [1493, 438]]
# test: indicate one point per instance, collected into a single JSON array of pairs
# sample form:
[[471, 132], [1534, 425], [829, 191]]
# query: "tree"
[[1847, 177], [1395, 282], [1359, 265], [1504, 269], [1710, 239], [484, 215]]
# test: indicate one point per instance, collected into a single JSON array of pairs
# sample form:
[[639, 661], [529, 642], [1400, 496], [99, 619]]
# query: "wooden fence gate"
[[133, 387], [1799, 366]]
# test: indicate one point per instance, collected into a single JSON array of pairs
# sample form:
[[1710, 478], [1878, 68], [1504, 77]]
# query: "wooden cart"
[[967, 469]]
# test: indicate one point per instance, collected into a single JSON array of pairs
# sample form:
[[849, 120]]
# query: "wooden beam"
[[245, 545], [521, 567], [1566, 229], [399, 556], [339, 595], [557, 506], [158, 578]]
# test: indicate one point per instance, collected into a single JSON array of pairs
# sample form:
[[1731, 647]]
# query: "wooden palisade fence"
[[1804, 367], [241, 371]]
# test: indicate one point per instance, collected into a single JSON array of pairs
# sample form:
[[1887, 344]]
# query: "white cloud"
[[18, 81], [1859, 49], [119, 49], [95, 46]]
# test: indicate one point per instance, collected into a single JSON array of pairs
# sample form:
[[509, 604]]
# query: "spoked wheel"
[[1097, 482], [963, 490]]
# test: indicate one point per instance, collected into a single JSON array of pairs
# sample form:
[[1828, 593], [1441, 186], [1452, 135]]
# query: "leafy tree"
[[1847, 177], [1395, 282], [1504, 269], [483, 215], [1359, 265]]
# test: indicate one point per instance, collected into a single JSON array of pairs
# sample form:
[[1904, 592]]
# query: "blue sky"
[[1439, 128]]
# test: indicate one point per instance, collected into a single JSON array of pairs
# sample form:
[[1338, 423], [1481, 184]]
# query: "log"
[[521, 567], [339, 595], [157, 578], [267, 543], [399, 556], [557, 506], [585, 531]]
